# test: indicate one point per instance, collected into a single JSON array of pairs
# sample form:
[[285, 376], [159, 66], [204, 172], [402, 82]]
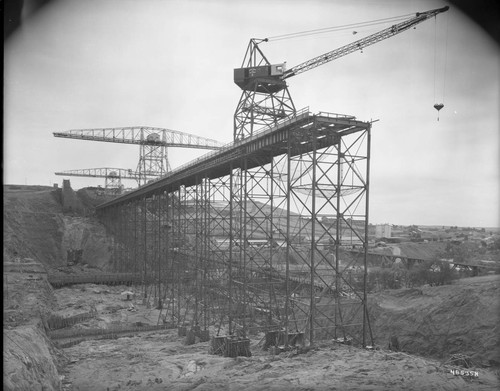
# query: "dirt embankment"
[[433, 322], [462, 318], [141, 363], [37, 236], [160, 360], [30, 361], [35, 227]]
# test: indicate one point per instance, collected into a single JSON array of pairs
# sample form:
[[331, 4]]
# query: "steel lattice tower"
[[264, 100]]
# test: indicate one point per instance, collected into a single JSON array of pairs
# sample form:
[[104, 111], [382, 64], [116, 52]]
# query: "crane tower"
[[326, 183], [265, 98]]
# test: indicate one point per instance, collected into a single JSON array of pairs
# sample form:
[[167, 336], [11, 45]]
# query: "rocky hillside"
[[37, 226]]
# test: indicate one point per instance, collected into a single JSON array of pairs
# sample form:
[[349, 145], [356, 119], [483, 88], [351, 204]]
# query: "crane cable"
[[435, 55], [445, 55], [339, 28], [439, 106]]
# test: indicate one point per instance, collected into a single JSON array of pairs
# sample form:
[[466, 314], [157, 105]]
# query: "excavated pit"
[[99, 337]]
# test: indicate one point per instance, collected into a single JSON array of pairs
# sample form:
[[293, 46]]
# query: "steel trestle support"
[[264, 240]]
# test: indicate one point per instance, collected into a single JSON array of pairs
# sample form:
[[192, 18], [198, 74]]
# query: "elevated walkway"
[[297, 135]]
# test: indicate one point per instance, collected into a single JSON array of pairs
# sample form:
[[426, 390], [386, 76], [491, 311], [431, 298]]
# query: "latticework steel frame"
[[262, 103], [153, 161], [260, 235], [153, 142]]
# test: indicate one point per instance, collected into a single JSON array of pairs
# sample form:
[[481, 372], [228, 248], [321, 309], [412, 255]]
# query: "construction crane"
[[265, 98], [153, 142], [113, 176]]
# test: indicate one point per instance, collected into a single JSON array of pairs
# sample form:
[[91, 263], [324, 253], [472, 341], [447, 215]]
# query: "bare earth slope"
[[161, 361], [30, 361], [35, 227], [433, 322], [144, 363], [36, 237], [438, 321], [32, 225]]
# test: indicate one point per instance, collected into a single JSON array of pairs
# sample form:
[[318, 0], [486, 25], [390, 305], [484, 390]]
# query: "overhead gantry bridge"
[[153, 143], [246, 224]]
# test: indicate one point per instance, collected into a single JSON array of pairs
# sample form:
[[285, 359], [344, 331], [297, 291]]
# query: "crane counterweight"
[[261, 78]]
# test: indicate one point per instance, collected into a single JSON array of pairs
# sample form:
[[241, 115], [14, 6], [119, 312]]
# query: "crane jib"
[[266, 98], [362, 43]]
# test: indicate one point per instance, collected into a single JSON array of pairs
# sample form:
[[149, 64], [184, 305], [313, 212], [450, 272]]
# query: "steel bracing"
[[258, 236], [264, 100]]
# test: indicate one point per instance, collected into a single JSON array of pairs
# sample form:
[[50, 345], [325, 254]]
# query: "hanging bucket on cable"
[[438, 106]]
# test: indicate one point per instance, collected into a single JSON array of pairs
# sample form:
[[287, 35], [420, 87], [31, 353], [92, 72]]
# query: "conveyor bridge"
[[274, 189]]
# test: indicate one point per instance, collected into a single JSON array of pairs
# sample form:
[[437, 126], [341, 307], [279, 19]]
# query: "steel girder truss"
[[153, 142], [142, 135], [267, 247]]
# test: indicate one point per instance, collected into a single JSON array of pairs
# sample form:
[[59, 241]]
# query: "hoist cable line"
[[445, 56], [339, 28], [435, 55], [439, 106]]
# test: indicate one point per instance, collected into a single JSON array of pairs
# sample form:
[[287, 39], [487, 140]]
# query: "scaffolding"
[[258, 237]]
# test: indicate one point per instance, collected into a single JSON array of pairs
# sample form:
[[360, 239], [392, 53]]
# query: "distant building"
[[383, 231]]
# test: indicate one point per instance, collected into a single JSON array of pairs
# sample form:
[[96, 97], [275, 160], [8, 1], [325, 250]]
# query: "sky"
[[169, 64]]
